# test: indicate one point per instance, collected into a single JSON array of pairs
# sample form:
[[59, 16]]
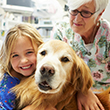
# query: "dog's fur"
[[59, 75]]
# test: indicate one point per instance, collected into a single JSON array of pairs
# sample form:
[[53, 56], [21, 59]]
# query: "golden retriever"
[[59, 74]]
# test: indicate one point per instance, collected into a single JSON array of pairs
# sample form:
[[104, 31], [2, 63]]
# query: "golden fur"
[[59, 75]]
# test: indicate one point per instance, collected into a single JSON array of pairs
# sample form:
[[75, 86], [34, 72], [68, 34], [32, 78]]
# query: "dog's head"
[[57, 64]]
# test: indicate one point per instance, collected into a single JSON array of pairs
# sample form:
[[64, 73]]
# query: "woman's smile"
[[77, 24]]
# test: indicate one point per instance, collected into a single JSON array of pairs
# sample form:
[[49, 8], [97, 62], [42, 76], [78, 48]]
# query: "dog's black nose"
[[47, 70]]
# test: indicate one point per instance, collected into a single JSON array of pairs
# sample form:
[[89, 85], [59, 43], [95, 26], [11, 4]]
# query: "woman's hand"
[[89, 101]]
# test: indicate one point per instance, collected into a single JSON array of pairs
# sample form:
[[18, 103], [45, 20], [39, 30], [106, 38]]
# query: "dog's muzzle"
[[47, 71]]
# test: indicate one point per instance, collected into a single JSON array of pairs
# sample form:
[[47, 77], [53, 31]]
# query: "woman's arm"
[[89, 101]]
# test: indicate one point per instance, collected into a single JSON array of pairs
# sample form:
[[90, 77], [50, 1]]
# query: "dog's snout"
[[47, 69]]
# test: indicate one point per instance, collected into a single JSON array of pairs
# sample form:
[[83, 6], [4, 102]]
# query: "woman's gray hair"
[[100, 5]]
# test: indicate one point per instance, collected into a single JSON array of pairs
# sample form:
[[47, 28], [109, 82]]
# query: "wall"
[[106, 14]]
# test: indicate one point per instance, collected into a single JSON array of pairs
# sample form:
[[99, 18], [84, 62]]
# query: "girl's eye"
[[14, 56], [29, 52]]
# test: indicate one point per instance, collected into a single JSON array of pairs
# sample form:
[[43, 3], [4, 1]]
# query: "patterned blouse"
[[7, 99], [97, 58]]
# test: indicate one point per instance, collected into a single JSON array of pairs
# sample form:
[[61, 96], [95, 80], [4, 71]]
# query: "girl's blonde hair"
[[26, 30]]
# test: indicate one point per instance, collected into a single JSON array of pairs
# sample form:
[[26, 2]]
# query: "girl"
[[17, 60]]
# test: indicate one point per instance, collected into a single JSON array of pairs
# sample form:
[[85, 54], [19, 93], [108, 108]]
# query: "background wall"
[[106, 14]]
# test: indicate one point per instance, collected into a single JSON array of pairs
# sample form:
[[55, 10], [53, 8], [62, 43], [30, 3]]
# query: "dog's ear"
[[81, 76]]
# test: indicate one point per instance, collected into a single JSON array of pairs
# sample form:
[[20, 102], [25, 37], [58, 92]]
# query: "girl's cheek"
[[35, 59]]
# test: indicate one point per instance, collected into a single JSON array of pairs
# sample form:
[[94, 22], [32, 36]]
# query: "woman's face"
[[23, 57], [80, 24]]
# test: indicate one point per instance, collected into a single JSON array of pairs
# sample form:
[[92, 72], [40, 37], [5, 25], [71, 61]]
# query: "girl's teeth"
[[26, 67]]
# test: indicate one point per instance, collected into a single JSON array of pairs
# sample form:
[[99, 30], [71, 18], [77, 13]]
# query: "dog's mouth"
[[44, 86]]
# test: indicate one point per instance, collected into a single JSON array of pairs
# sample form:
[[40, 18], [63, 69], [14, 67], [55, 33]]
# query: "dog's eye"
[[64, 59], [43, 52]]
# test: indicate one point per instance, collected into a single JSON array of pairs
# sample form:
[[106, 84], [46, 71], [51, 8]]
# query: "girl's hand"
[[89, 101], [48, 108], [27, 108]]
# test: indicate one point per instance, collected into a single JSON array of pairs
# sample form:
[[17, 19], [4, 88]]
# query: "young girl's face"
[[23, 57]]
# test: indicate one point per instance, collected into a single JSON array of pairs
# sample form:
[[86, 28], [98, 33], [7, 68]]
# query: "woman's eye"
[[86, 12], [74, 11]]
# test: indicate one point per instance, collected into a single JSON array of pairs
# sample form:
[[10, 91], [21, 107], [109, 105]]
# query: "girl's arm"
[[89, 101], [29, 108]]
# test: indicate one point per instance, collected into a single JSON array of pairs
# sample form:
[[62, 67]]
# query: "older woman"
[[89, 36]]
